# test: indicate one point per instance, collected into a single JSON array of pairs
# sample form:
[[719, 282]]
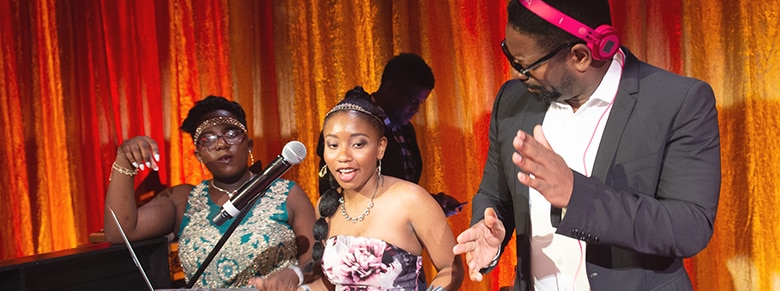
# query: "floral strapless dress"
[[361, 263]]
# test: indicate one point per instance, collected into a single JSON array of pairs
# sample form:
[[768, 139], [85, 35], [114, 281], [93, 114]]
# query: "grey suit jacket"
[[652, 197]]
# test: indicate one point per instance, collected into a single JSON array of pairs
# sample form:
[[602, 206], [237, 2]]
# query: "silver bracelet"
[[298, 272], [493, 263]]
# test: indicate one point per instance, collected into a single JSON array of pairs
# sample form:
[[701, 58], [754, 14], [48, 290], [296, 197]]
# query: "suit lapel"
[[533, 114], [618, 117]]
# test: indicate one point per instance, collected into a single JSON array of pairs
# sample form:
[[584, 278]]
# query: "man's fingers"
[[493, 223], [539, 137], [524, 143], [528, 166], [470, 234], [491, 218], [475, 275], [464, 247]]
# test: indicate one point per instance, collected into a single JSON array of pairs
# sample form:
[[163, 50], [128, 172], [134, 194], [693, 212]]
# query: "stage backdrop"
[[79, 77]]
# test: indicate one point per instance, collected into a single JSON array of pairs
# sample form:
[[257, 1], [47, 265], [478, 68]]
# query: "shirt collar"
[[607, 89]]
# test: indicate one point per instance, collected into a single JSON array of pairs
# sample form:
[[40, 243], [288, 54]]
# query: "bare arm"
[[153, 219], [434, 232], [301, 218]]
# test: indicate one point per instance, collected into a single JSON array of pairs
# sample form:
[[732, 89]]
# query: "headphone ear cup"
[[606, 45]]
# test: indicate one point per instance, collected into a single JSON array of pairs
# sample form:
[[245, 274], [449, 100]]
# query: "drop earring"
[[251, 159], [323, 171], [381, 179]]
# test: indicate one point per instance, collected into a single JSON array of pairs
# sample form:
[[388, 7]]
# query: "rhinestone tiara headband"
[[354, 107], [222, 120]]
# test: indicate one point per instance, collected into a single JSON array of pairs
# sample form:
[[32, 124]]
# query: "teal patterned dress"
[[262, 244]]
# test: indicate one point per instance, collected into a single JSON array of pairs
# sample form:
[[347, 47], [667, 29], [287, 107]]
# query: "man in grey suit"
[[607, 168]]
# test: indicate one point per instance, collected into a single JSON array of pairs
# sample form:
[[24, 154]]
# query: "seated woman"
[[273, 238], [376, 240]]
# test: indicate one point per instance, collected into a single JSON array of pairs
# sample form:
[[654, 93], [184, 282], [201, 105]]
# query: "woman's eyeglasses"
[[209, 141], [527, 71]]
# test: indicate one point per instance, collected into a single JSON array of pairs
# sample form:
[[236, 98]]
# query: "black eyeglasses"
[[527, 71], [232, 136]]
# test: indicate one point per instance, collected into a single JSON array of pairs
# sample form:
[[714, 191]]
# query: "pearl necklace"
[[365, 213], [229, 193]]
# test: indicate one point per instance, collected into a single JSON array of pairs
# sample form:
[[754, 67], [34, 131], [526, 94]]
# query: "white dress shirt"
[[558, 261]]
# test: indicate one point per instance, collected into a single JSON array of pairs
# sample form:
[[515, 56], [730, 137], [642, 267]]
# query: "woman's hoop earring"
[[323, 171]]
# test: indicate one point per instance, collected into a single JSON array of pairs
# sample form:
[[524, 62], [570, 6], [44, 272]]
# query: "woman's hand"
[[141, 152]]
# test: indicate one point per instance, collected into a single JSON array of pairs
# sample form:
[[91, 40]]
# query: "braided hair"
[[356, 100]]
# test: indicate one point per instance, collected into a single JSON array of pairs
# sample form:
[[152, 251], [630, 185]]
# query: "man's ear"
[[250, 143], [582, 55]]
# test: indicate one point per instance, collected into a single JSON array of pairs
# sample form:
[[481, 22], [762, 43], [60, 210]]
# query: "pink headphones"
[[603, 41]]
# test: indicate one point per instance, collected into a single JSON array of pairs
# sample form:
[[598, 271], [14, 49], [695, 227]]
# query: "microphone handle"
[[247, 195], [276, 169], [252, 190]]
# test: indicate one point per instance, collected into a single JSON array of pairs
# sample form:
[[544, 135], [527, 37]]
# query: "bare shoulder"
[[415, 204], [407, 192], [297, 198], [296, 192]]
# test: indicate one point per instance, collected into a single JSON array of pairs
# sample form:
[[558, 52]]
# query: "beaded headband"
[[354, 107], [222, 120]]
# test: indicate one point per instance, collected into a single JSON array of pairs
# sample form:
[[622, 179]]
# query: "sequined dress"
[[262, 244], [361, 263]]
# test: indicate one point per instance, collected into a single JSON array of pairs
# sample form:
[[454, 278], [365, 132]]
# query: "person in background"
[[607, 168], [384, 223], [406, 83], [265, 250]]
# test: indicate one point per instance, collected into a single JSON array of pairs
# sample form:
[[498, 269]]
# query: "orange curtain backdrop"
[[79, 77], [734, 45], [335, 47]]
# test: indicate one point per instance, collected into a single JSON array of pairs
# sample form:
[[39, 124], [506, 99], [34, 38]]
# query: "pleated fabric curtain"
[[77, 78]]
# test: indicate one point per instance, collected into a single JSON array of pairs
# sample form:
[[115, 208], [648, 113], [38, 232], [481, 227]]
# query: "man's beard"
[[544, 95], [554, 95]]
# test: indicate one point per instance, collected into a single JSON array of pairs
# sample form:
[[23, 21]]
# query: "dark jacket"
[[653, 195]]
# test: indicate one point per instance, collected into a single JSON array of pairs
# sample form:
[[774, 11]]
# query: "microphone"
[[292, 154]]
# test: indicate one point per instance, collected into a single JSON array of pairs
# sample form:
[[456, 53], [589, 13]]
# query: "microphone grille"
[[294, 152]]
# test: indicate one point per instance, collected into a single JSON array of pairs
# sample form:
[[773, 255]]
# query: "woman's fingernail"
[[156, 157], [141, 167], [135, 165]]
